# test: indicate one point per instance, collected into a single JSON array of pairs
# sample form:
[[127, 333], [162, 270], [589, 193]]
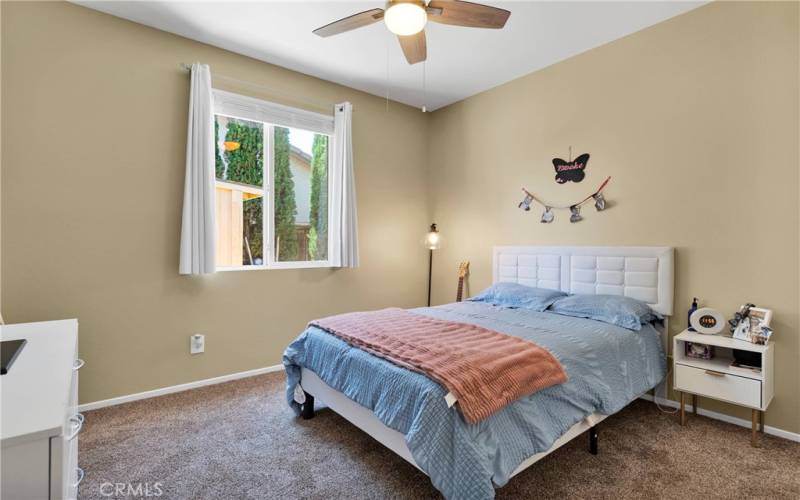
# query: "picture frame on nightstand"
[[751, 328], [700, 351]]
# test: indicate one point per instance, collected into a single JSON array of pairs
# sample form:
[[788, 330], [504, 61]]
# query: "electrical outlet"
[[197, 344]]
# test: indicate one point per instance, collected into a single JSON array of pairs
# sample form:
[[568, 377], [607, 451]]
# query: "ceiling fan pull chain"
[[386, 40], [424, 86]]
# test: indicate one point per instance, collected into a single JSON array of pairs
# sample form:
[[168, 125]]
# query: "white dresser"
[[40, 422]]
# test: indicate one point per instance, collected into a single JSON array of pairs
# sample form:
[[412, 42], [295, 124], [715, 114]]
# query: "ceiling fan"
[[407, 19]]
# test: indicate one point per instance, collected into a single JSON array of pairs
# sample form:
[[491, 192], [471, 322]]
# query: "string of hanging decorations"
[[575, 208]]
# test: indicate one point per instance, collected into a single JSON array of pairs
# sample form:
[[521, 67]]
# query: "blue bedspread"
[[608, 367]]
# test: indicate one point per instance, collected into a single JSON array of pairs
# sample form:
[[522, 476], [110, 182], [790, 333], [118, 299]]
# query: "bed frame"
[[644, 273]]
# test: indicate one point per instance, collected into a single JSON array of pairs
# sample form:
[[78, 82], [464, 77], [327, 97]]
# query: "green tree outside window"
[[319, 199], [245, 164], [286, 246]]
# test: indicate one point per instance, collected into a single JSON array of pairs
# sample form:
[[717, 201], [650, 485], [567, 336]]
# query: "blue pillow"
[[614, 309], [514, 295]]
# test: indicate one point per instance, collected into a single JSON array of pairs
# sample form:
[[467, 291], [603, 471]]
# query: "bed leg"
[[593, 440], [307, 408]]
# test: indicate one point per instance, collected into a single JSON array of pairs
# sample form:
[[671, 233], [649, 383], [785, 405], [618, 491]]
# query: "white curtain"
[[198, 229], [342, 220]]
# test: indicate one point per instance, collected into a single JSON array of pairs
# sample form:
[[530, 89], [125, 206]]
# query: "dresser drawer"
[[723, 386]]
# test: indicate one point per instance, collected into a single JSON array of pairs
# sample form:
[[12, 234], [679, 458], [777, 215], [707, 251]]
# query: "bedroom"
[[692, 110]]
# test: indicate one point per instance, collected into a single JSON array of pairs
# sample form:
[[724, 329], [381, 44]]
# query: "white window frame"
[[272, 115]]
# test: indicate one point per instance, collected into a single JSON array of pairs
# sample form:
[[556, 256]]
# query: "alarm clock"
[[707, 321]]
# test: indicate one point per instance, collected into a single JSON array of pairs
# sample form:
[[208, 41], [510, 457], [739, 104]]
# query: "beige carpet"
[[239, 440]]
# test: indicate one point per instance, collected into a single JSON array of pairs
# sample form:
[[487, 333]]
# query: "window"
[[300, 220], [272, 190]]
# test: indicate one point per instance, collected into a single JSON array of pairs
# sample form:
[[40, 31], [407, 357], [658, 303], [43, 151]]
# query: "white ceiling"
[[461, 61]]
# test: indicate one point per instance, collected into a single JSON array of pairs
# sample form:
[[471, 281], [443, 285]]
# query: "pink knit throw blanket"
[[484, 369]]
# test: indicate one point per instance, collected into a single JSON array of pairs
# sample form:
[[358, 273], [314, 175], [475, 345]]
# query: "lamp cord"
[[655, 395], [386, 40]]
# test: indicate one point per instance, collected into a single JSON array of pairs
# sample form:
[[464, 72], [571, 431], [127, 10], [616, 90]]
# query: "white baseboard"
[[791, 436], [178, 388]]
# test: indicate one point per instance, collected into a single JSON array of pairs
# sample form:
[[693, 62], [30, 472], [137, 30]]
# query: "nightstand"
[[715, 378]]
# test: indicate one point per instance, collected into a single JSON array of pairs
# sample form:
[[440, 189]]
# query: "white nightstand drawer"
[[726, 387]]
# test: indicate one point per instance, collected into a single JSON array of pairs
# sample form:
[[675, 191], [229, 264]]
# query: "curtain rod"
[[319, 104]]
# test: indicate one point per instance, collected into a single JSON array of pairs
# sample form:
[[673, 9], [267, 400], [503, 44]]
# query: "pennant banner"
[[575, 208]]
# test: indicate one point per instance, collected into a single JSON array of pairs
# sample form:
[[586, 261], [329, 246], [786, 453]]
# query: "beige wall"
[[94, 136], [696, 119]]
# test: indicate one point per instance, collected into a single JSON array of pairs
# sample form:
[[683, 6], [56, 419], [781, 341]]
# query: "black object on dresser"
[[9, 350]]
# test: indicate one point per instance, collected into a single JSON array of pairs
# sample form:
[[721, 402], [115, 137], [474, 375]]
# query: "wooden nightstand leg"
[[761, 421], [683, 408], [694, 404], [754, 433]]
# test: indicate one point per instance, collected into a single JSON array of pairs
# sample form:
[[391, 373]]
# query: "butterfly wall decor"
[[571, 170]]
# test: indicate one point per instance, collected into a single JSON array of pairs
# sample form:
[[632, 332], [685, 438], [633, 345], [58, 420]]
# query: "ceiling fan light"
[[405, 18]]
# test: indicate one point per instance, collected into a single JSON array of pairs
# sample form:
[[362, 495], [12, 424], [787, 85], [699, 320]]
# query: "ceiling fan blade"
[[471, 15], [350, 23], [414, 47]]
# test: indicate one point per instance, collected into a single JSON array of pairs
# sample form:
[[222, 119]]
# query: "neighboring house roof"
[[302, 154], [300, 163]]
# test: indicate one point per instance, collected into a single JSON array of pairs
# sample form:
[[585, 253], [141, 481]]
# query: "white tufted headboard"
[[644, 273]]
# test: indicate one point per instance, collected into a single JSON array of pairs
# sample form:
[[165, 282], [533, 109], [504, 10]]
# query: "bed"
[[407, 412]]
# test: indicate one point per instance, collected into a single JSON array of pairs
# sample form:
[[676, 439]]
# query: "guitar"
[[463, 271]]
